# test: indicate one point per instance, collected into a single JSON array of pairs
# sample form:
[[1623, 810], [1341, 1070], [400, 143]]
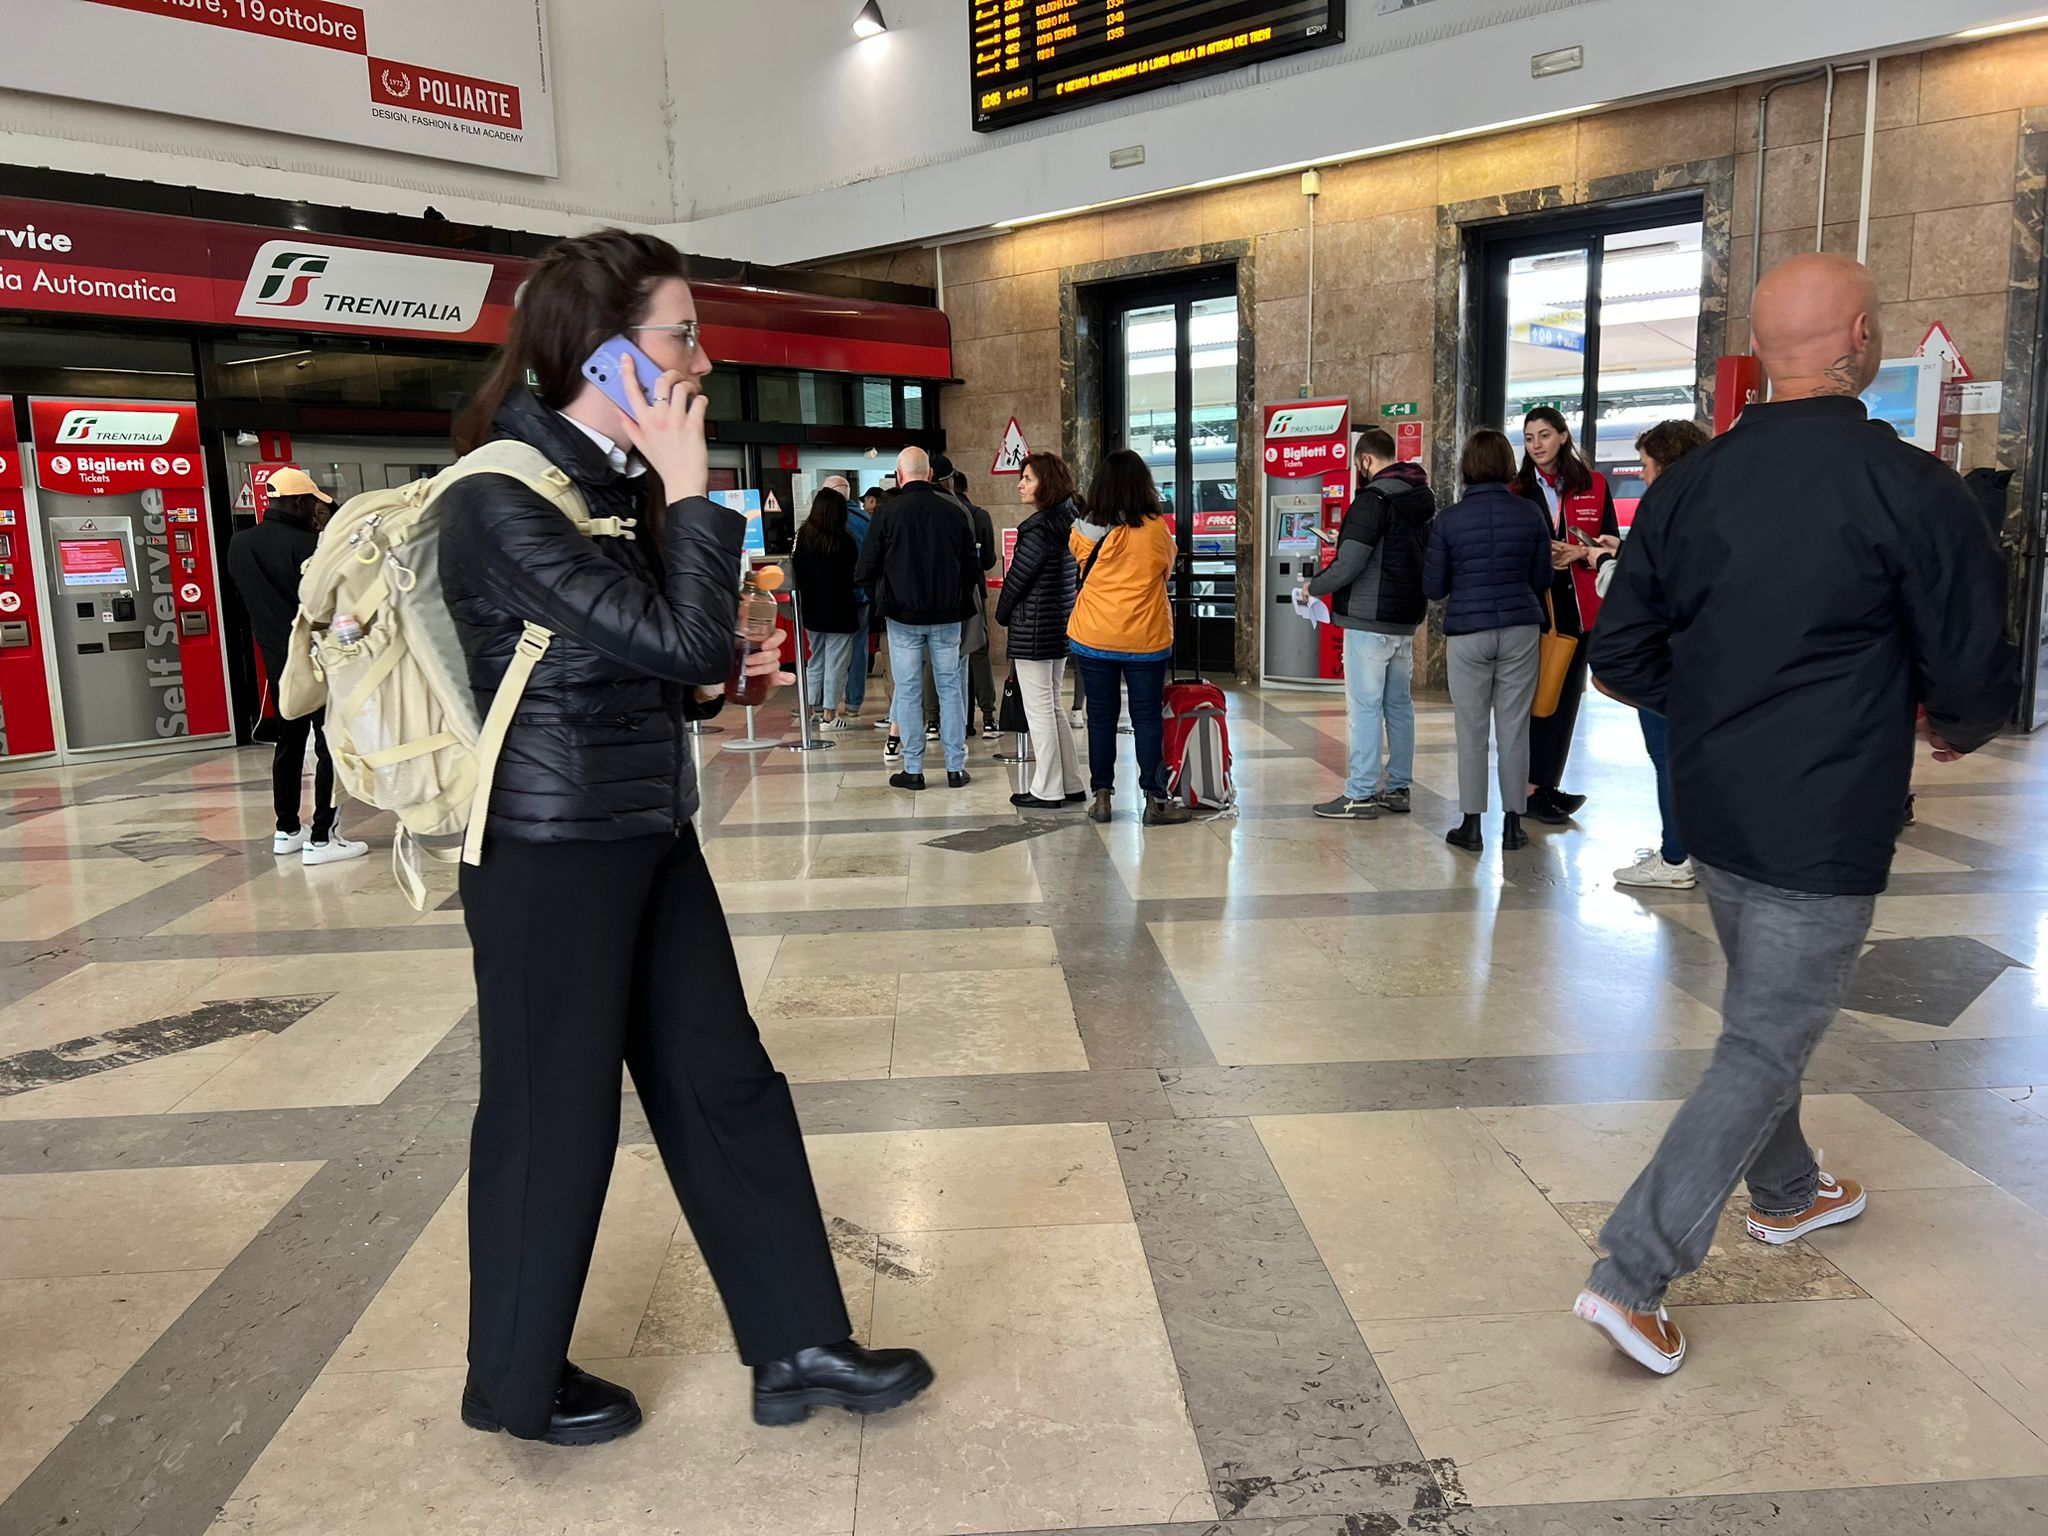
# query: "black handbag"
[[1011, 716]]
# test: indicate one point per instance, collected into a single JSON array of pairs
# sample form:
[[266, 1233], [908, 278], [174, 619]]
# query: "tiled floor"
[[1237, 1177]]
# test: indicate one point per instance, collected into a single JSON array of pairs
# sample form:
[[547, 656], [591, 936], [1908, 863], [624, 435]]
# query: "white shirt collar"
[[623, 461]]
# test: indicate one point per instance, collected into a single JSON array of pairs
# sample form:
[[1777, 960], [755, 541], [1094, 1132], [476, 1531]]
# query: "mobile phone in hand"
[[606, 368]]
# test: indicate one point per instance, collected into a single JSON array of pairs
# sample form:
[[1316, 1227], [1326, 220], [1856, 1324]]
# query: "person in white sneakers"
[[1791, 594], [265, 561], [1668, 866]]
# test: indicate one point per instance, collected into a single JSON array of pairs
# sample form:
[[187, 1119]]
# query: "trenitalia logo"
[[110, 429], [375, 290], [289, 281]]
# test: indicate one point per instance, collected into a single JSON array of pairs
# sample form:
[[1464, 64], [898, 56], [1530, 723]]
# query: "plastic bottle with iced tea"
[[756, 624]]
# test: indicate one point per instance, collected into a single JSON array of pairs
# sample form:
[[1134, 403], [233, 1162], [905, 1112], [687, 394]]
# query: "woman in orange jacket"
[[1121, 633]]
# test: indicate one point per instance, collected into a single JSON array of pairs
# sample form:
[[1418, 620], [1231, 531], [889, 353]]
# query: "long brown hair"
[[1572, 473], [1123, 494], [581, 293], [1055, 480], [824, 532]]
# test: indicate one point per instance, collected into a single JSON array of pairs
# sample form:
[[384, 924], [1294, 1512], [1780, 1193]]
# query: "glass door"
[[1598, 318], [1173, 401]]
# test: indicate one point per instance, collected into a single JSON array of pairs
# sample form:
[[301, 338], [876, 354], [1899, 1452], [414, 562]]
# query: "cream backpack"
[[401, 717]]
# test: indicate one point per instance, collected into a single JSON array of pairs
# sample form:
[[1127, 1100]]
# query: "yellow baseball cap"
[[293, 481]]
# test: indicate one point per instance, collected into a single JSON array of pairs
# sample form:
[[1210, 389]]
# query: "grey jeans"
[[1790, 958], [1493, 688]]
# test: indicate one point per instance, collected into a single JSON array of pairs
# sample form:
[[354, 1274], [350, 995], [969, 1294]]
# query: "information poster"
[[464, 80]]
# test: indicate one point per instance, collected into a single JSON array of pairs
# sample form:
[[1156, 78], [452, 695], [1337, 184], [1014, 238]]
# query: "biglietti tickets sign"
[[463, 80], [97, 261]]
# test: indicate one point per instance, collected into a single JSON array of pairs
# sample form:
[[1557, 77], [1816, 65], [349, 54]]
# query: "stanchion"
[[750, 742], [805, 741]]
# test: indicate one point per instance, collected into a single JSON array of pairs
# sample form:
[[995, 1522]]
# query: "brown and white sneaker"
[[1650, 1339], [1834, 1202]]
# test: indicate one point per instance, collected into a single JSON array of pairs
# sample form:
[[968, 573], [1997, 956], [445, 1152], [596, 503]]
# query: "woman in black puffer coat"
[[1038, 599], [598, 935], [1490, 555]]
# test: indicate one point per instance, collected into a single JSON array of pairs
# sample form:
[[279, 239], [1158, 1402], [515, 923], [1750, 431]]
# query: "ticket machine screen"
[[94, 562]]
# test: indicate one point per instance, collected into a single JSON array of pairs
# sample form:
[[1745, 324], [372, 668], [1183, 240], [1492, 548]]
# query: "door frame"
[[1497, 247], [1181, 291]]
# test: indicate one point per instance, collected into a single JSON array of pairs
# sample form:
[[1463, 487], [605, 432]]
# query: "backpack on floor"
[[1198, 746], [401, 718]]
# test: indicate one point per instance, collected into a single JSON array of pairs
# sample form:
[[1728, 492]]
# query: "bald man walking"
[[919, 561], [1790, 595]]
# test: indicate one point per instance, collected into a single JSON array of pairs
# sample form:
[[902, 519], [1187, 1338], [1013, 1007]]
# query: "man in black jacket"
[[1374, 585], [1790, 594], [920, 562], [264, 562]]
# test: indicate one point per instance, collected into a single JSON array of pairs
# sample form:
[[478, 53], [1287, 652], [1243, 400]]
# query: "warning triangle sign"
[[245, 499], [1011, 456], [771, 504], [1938, 343]]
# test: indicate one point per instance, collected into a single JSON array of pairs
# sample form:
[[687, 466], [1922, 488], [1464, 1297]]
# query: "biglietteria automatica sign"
[[463, 80], [109, 262]]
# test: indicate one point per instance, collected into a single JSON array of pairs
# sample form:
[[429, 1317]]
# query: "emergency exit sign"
[[1402, 408]]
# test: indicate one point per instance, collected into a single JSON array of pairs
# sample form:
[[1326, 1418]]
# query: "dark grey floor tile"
[[1930, 981], [1985, 1131], [1127, 1007], [1359, 1086], [208, 1024], [2007, 1507], [921, 1103], [1291, 1414], [195, 1140], [168, 1444]]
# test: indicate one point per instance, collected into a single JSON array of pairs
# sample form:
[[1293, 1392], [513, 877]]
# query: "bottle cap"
[[767, 577]]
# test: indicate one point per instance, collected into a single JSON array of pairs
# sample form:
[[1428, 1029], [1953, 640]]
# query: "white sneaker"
[[1650, 870], [282, 843], [336, 849], [1077, 718]]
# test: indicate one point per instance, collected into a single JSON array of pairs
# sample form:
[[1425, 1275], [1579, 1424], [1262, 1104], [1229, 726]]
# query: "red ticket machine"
[[26, 726], [133, 604], [1308, 462]]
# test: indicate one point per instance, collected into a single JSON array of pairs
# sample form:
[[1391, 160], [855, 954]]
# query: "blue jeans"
[[1105, 681], [830, 656], [1657, 739], [1379, 692], [857, 667], [910, 645]]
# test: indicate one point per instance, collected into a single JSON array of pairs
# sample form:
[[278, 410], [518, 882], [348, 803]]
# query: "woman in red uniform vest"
[[1583, 530]]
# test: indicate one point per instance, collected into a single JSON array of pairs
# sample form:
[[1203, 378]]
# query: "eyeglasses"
[[686, 329]]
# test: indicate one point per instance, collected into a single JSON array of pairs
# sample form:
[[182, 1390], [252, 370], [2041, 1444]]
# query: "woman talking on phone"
[[1578, 508], [598, 936]]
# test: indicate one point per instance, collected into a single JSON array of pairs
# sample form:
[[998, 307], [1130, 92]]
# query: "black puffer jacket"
[[1490, 555], [596, 752], [1038, 592]]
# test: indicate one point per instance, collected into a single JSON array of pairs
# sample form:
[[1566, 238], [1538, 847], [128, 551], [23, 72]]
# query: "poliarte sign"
[[465, 80]]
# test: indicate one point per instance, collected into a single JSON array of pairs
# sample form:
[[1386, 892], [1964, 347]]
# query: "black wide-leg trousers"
[[591, 955]]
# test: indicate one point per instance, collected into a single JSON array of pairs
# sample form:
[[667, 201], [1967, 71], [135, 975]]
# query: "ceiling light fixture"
[[1999, 29], [869, 22]]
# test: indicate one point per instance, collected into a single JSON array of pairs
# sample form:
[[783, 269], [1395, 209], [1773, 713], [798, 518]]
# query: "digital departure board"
[[1036, 57]]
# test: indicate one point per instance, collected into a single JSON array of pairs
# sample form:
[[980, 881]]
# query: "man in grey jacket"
[[1374, 589]]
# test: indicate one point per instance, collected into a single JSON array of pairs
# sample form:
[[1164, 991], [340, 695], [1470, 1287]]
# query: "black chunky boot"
[[842, 1375]]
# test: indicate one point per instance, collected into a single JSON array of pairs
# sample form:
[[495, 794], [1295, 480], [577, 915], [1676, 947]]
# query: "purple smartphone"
[[606, 368]]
